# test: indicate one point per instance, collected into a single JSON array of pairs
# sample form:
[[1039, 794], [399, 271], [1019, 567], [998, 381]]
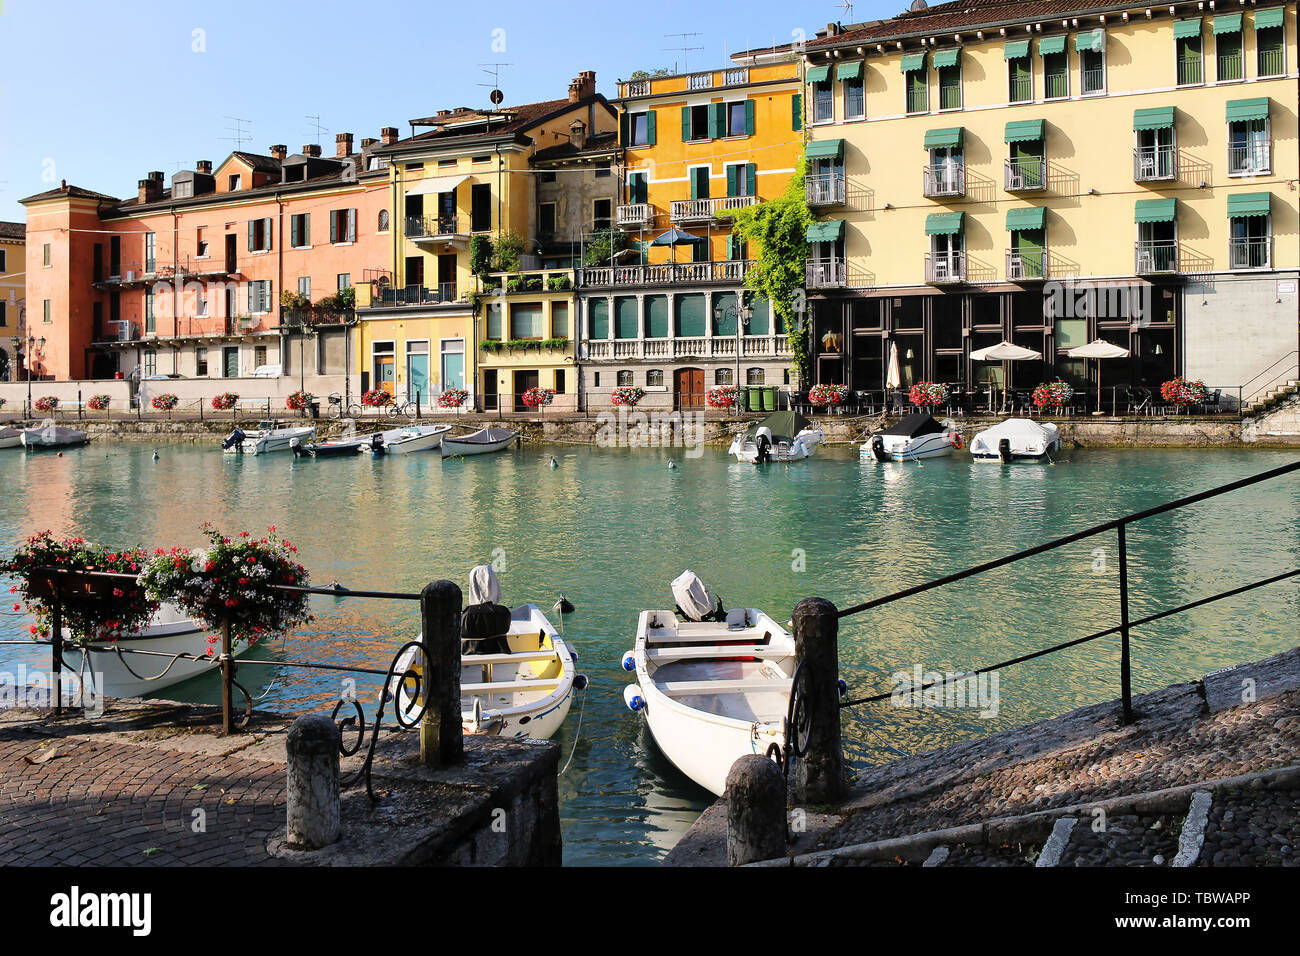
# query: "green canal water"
[[611, 527]]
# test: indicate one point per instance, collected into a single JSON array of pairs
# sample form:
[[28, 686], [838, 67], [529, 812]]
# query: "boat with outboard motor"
[[714, 685], [270, 436], [340, 448], [412, 438], [782, 436], [916, 436], [1017, 439], [11, 437]]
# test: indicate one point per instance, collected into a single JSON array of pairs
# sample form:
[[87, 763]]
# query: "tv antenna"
[[316, 126], [494, 70], [685, 49], [847, 7], [237, 132]]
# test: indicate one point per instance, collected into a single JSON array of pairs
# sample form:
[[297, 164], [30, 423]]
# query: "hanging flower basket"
[[99, 403], [46, 403], [1052, 394], [928, 394], [165, 403], [722, 396], [237, 579], [3, 402], [535, 397], [298, 400], [626, 395], [1179, 391], [452, 398], [225, 401], [828, 395], [376, 398], [93, 608]]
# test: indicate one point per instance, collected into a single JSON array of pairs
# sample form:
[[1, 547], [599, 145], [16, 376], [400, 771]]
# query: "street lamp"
[[742, 313], [32, 344]]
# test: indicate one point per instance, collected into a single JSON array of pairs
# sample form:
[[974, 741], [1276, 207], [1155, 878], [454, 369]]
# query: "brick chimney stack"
[[368, 142], [203, 166], [280, 151], [388, 135], [311, 149], [583, 85], [343, 145], [578, 133], [151, 187]]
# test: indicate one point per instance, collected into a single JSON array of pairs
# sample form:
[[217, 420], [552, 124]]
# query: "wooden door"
[[688, 386], [386, 374], [524, 380]]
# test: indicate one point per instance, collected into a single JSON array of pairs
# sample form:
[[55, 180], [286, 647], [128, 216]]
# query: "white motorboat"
[[413, 438], [782, 436], [523, 693], [270, 436], [917, 436], [51, 436], [1017, 439], [711, 691], [481, 442], [340, 448], [11, 437], [169, 631]]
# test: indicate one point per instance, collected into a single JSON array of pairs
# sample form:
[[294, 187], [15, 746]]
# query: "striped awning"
[[943, 223], [943, 138], [1094, 41], [913, 61], [946, 57], [826, 149], [1187, 28], [828, 231], [1227, 23], [1050, 45], [1015, 50], [1269, 19], [1252, 109], [849, 71], [1022, 131], [818, 74], [1155, 210], [1024, 219], [1158, 117], [1243, 205]]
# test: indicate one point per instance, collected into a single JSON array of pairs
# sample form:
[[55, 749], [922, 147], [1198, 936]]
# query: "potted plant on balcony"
[[928, 394], [536, 397], [1052, 395], [723, 396], [452, 398], [626, 395], [828, 396]]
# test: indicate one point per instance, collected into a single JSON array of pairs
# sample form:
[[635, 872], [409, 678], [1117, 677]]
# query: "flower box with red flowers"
[[536, 397], [165, 403], [1179, 391], [626, 396], [99, 403], [225, 401], [376, 398], [298, 400], [828, 395], [46, 403], [928, 394], [722, 396], [452, 398], [1052, 394]]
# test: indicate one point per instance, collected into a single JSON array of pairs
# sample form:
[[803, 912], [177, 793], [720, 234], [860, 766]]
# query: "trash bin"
[[769, 398], [753, 399], [315, 409]]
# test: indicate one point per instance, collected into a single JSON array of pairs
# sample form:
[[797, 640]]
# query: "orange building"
[[194, 280]]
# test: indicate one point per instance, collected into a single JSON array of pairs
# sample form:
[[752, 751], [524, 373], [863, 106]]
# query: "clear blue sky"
[[100, 93]]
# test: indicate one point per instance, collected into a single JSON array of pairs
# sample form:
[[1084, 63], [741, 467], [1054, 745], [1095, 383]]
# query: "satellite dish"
[[918, 6], [496, 96]]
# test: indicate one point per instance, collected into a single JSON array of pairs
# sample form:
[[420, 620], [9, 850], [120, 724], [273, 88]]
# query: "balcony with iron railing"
[[943, 179], [1189, 72], [1153, 257], [531, 281], [1270, 62], [666, 273], [1025, 175], [704, 210], [831, 273], [432, 227], [1253, 160], [1250, 253], [635, 215], [825, 189], [941, 269], [1020, 89], [1028, 266], [1229, 66], [414, 295], [144, 272], [1056, 86], [1155, 163], [1092, 81]]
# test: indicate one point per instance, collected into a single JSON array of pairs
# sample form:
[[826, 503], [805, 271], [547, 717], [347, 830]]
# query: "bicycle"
[[396, 409], [337, 411]]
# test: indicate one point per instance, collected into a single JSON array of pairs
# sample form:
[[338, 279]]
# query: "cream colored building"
[[13, 305]]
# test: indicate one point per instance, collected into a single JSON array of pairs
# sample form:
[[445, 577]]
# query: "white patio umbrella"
[[1004, 352], [1098, 349], [893, 378]]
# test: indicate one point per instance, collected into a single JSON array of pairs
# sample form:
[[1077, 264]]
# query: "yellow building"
[[470, 174], [697, 146], [13, 304], [1048, 175]]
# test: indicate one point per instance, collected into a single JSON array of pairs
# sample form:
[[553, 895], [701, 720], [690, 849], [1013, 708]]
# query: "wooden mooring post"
[[819, 773], [441, 739], [755, 810]]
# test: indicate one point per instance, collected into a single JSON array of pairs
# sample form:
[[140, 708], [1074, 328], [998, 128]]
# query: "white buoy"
[[629, 661], [632, 697]]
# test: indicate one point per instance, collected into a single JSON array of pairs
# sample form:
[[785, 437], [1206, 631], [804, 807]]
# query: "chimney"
[[203, 166], [311, 149], [343, 145], [388, 135], [578, 133], [368, 142], [583, 85], [151, 187], [280, 151]]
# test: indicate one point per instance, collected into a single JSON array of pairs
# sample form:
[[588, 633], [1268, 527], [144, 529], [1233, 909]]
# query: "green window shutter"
[[268, 233], [1270, 19], [306, 229], [252, 228], [731, 246], [598, 311], [686, 124], [650, 133], [749, 117], [732, 185], [624, 125], [658, 318], [717, 120], [352, 225], [626, 317], [334, 227], [796, 112], [295, 231], [751, 179], [251, 297], [700, 183], [692, 315]]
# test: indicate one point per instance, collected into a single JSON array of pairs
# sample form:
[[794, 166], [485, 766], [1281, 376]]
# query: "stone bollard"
[[442, 741], [819, 774], [313, 748], [755, 811]]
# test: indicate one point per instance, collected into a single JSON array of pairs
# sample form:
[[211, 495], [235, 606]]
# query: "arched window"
[[723, 376], [654, 376], [383, 220], [625, 376], [753, 376]]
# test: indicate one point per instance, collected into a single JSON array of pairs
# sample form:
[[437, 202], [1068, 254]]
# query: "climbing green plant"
[[480, 255], [509, 250], [777, 231]]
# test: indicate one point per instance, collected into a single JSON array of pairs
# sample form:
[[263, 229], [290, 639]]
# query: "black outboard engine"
[[234, 440], [764, 450], [297, 449], [376, 444], [1004, 450], [878, 448]]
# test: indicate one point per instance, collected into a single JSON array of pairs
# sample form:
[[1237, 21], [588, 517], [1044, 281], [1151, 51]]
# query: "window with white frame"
[[259, 296]]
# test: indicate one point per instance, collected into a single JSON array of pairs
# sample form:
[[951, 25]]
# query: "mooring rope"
[[576, 733]]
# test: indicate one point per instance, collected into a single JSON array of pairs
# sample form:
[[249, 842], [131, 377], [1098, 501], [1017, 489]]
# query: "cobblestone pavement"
[[1129, 839], [1253, 828]]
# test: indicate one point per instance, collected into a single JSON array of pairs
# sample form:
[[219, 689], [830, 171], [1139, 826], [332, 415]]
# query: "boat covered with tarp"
[[782, 436], [915, 436], [53, 436], [1017, 439]]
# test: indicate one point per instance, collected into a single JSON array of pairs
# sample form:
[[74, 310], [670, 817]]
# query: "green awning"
[[1252, 109], [1015, 50], [1268, 19], [1159, 117], [1155, 210], [1022, 131], [943, 138], [828, 231], [913, 61], [818, 74], [946, 57], [826, 149], [849, 71], [1241, 205], [943, 223], [1021, 219], [1094, 41], [1187, 28], [1227, 23], [1049, 45]]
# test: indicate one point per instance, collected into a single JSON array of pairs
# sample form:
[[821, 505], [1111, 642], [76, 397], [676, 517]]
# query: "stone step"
[[1126, 839], [1192, 836], [1056, 843], [1250, 827]]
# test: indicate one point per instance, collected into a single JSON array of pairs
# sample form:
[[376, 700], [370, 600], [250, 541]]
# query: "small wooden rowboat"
[[711, 691], [525, 693], [480, 442], [413, 438]]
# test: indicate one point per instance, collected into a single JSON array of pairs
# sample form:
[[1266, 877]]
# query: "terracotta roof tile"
[[13, 230], [74, 192], [522, 117]]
